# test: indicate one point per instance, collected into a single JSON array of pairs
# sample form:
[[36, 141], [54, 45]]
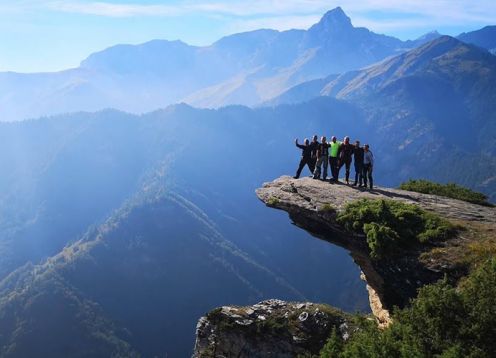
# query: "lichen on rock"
[[271, 328]]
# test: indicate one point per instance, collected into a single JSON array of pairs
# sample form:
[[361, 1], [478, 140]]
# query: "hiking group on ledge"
[[318, 155]]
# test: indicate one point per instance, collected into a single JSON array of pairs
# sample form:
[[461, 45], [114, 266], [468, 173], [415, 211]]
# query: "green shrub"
[[390, 225], [273, 201], [334, 345], [327, 207], [443, 321], [450, 190], [380, 238]]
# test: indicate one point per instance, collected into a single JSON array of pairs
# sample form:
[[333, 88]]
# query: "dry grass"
[[474, 243]]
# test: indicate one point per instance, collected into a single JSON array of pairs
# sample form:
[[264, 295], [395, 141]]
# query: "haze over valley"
[[127, 194]]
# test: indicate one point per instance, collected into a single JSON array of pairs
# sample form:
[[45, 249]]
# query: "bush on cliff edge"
[[449, 190], [390, 225]]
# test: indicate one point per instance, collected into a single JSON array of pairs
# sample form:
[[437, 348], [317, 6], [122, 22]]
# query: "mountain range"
[[247, 68], [118, 231], [138, 225]]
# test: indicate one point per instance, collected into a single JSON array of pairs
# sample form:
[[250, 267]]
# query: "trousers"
[[321, 162], [305, 161]]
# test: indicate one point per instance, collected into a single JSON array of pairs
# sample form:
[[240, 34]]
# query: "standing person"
[[358, 160], [315, 147], [368, 165], [322, 156], [345, 156], [334, 158], [306, 156]]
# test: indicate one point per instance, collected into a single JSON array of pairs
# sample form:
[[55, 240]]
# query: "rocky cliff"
[[314, 205], [271, 328]]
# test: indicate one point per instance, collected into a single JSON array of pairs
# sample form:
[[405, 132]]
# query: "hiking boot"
[[295, 177], [354, 184]]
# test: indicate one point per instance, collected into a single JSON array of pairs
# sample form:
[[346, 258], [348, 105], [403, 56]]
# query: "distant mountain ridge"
[[247, 68], [425, 103], [485, 38], [435, 55]]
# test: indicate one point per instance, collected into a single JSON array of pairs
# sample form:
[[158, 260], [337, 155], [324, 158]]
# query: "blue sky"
[[50, 35]]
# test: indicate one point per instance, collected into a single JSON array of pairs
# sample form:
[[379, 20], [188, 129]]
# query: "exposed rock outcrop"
[[314, 204], [279, 329], [271, 328]]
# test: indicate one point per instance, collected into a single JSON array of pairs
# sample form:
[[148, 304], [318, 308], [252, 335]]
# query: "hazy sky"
[[48, 35]]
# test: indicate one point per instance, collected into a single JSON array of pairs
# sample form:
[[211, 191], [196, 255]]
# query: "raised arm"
[[299, 145]]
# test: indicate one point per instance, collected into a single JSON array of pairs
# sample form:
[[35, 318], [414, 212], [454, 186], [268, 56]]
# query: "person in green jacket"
[[334, 146]]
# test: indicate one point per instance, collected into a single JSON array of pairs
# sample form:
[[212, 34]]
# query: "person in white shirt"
[[368, 166]]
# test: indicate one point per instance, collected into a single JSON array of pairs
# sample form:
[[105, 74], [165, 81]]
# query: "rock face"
[[313, 206], [279, 329], [298, 195], [271, 328]]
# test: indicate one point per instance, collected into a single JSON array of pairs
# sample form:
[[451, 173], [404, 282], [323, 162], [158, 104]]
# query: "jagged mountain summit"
[[246, 68]]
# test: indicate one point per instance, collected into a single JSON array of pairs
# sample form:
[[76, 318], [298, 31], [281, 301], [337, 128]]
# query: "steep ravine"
[[313, 206]]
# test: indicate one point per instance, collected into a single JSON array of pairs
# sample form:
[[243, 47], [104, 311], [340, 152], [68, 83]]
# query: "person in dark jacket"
[[322, 158], [345, 157], [358, 161], [368, 166], [306, 157], [315, 147]]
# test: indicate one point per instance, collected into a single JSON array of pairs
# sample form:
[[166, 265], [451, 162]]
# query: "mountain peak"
[[334, 19], [444, 41], [432, 35]]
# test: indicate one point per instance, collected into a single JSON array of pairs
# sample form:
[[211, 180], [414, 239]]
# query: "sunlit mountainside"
[[125, 216]]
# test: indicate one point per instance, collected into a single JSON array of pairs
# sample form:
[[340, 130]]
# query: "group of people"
[[318, 156]]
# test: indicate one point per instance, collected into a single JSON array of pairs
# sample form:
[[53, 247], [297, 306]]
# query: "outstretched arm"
[[299, 145]]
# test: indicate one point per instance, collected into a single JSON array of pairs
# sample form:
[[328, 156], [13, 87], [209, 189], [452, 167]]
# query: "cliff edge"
[[314, 205], [279, 329]]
